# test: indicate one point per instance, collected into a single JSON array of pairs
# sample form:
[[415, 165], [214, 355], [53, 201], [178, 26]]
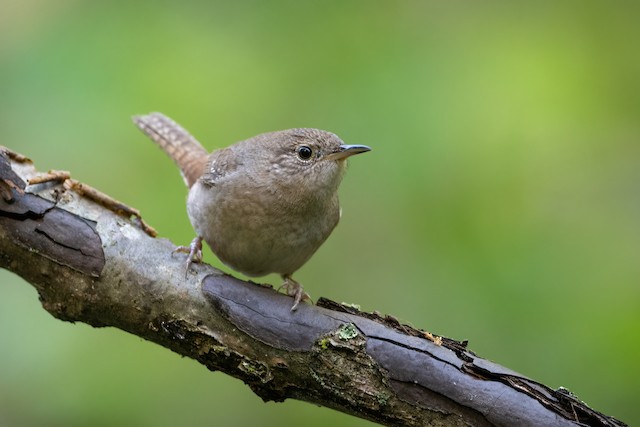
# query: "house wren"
[[264, 205]]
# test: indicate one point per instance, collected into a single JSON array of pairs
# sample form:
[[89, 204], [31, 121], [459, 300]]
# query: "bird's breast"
[[258, 231]]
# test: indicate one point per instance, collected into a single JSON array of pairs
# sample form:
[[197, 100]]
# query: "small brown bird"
[[264, 205]]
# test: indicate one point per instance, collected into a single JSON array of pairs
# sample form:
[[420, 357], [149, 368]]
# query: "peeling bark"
[[92, 265]]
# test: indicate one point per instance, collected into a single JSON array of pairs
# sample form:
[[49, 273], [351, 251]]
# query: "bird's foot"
[[195, 253], [295, 290]]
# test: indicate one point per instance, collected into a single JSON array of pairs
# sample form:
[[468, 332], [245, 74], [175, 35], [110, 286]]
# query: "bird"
[[263, 205]]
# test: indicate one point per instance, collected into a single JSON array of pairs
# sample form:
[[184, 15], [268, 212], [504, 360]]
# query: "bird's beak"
[[346, 151]]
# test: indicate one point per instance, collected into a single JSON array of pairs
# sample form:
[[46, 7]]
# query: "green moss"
[[324, 343], [383, 398], [347, 332]]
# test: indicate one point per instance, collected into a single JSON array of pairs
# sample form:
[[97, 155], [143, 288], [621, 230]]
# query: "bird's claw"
[[195, 253], [295, 290]]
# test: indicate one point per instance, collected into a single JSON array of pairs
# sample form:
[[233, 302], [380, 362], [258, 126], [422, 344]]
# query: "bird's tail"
[[184, 149]]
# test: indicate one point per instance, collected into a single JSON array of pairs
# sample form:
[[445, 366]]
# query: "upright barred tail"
[[183, 148]]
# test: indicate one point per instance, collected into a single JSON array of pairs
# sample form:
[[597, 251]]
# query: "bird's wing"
[[220, 165]]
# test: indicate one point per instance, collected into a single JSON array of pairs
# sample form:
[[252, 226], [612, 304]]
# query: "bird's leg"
[[194, 250], [295, 290]]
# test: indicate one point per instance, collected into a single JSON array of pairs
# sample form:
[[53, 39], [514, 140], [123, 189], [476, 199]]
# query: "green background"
[[500, 203]]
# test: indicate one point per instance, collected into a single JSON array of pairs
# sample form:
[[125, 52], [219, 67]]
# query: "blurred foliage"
[[501, 202]]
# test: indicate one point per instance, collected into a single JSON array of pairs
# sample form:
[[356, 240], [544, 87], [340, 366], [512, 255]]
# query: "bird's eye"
[[304, 152]]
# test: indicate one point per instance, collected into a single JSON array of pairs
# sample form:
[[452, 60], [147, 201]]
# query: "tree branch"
[[93, 265]]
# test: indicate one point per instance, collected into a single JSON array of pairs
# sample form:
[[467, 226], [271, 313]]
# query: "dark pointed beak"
[[346, 151]]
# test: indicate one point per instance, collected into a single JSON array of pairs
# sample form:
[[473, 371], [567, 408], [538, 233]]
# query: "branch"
[[99, 266]]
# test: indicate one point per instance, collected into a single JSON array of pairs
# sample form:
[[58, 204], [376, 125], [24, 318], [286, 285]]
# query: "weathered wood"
[[91, 265]]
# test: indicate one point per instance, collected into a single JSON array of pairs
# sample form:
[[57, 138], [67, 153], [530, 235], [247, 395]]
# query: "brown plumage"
[[264, 205]]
